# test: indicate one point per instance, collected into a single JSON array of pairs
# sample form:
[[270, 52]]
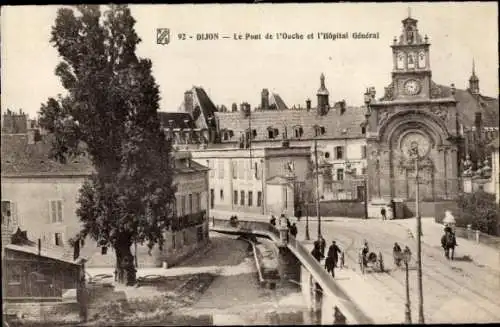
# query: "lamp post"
[[419, 242], [307, 220], [406, 259], [317, 187]]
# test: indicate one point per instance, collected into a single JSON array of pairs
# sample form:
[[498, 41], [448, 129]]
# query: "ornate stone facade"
[[412, 128]]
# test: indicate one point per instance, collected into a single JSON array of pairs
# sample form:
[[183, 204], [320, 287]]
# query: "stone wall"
[[345, 208]]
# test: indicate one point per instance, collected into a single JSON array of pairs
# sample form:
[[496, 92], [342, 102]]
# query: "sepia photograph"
[[250, 164]]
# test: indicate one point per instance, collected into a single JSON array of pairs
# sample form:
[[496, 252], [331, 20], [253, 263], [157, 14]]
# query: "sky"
[[237, 70]]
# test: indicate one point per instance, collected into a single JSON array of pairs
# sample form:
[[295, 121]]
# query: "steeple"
[[474, 80], [322, 89], [322, 96]]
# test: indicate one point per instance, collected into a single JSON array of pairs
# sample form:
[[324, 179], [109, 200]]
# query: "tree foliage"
[[481, 211], [110, 114]]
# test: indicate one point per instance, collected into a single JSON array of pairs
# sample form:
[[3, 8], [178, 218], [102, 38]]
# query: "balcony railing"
[[189, 220]]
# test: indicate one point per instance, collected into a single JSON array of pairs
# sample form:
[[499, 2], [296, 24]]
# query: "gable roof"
[[337, 125], [21, 158], [468, 104], [276, 101]]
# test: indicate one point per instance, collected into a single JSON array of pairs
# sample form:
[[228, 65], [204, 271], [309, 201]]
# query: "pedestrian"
[[316, 252], [298, 212], [333, 252], [322, 245], [293, 230], [383, 213], [273, 220]]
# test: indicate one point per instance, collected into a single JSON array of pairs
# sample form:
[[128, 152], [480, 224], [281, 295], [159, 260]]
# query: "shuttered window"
[[55, 211]]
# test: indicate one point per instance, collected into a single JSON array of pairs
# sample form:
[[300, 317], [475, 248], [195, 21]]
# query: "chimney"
[[308, 104], [234, 107], [264, 99], [188, 101]]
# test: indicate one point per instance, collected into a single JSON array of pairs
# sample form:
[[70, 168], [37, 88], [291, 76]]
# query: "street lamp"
[[406, 259], [416, 157], [317, 187]]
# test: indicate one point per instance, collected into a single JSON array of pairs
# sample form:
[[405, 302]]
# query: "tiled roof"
[[346, 125], [468, 104], [21, 158], [178, 119]]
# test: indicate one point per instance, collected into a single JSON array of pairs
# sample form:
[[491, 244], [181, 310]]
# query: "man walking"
[[322, 245], [383, 213], [293, 230], [332, 258]]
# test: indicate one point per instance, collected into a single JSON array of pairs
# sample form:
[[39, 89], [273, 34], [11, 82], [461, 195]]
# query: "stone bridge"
[[319, 289]]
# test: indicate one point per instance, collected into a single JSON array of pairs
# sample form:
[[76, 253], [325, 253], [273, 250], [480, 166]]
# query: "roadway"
[[460, 291]]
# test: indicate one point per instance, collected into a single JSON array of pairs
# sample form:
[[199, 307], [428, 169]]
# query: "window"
[[242, 198], [250, 198], [339, 152], [319, 130], [241, 169], [363, 152], [363, 130], [272, 132], [226, 136], [173, 240], [196, 202], [211, 167], [58, 239], [234, 165], [9, 215], [298, 131], [221, 169], [183, 205], [190, 203], [56, 211], [327, 188], [235, 197], [222, 194], [327, 155], [363, 171], [212, 199], [340, 174], [184, 237], [249, 169], [259, 199], [322, 130]]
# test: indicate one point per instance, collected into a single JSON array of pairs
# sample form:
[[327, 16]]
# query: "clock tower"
[[413, 127]]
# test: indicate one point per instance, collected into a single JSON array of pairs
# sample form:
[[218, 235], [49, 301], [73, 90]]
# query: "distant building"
[[39, 195], [442, 123], [265, 181]]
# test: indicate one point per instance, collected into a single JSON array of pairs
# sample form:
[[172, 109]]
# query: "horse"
[[448, 242]]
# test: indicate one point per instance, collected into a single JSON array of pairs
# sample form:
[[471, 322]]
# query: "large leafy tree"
[[110, 114]]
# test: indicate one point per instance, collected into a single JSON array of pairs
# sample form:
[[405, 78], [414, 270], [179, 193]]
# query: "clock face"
[[412, 87]]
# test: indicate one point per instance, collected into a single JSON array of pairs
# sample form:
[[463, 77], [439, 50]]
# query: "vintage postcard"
[[250, 164]]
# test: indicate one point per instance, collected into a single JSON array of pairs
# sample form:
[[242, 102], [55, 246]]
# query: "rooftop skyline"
[[237, 71]]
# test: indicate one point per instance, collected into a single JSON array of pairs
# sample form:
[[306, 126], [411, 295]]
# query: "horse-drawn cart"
[[371, 260]]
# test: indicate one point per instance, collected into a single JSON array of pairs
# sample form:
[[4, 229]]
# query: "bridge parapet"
[[338, 302]]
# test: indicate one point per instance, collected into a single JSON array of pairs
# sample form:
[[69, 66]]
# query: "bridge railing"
[[246, 225]]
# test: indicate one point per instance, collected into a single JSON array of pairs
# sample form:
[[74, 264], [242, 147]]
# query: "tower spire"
[[409, 12], [473, 67]]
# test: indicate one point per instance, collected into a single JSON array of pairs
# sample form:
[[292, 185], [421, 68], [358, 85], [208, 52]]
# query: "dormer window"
[[272, 133], [319, 130], [298, 131]]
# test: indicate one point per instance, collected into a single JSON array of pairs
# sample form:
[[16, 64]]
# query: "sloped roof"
[[21, 158], [468, 104], [334, 123], [178, 119], [51, 253], [206, 104], [276, 100]]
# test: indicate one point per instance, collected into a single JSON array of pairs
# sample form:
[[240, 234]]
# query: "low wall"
[[337, 208]]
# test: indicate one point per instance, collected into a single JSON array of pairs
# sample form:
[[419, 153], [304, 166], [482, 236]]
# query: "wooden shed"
[[32, 273]]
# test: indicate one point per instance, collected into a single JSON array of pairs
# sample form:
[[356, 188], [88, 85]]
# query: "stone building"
[[39, 195]]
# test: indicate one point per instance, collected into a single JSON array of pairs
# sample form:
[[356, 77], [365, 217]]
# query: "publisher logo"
[[162, 36]]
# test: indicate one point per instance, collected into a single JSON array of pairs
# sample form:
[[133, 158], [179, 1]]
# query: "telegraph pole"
[[419, 246], [317, 186]]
